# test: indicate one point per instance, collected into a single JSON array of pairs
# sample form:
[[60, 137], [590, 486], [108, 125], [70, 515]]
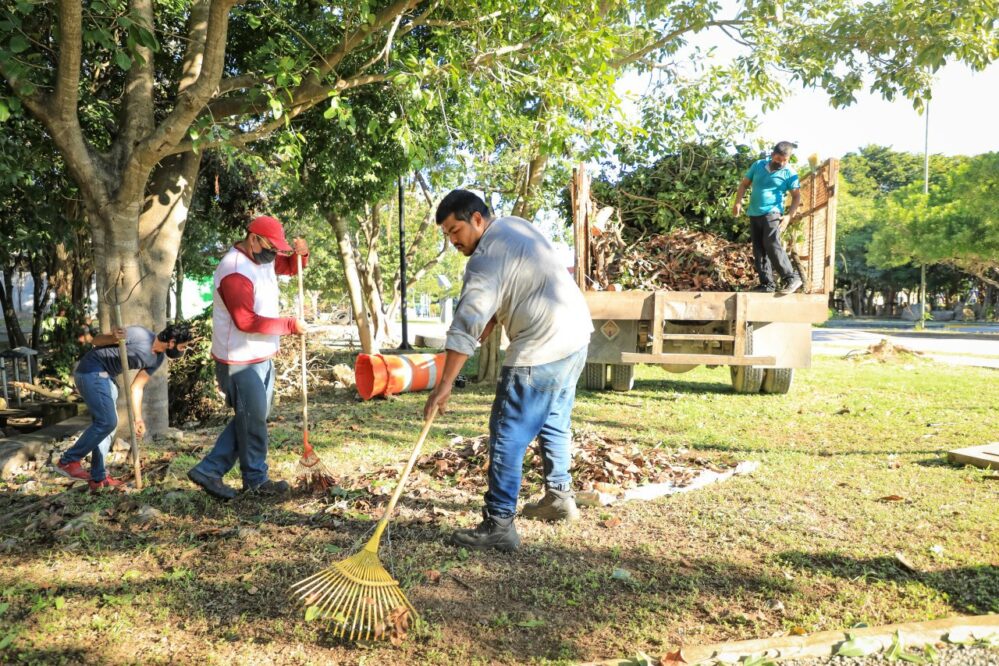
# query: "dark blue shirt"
[[138, 346]]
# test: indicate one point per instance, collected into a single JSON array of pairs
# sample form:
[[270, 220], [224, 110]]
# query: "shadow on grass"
[[545, 601], [973, 590]]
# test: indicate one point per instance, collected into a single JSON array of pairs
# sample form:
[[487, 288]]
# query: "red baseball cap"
[[271, 229]]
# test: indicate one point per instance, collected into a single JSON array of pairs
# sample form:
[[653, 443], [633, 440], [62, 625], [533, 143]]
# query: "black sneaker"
[[212, 485], [792, 286], [492, 532], [269, 487], [764, 289]]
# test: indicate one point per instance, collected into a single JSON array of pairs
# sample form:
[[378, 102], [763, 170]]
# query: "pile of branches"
[[681, 260]]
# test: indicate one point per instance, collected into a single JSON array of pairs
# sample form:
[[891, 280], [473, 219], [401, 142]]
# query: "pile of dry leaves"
[[599, 463]]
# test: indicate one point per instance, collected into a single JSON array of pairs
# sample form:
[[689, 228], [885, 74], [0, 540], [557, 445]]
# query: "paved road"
[[956, 349]]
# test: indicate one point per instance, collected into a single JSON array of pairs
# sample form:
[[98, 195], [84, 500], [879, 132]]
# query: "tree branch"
[[139, 81], [66, 95], [359, 36], [666, 39], [203, 65]]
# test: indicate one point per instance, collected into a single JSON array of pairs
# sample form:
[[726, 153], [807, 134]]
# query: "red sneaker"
[[108, 482], [72, 470]]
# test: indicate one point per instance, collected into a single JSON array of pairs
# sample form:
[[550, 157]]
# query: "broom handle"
[[305, 380], [372, 545]]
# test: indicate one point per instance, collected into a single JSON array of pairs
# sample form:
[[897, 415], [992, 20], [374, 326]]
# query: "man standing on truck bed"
[[515, 277], [770, 179]]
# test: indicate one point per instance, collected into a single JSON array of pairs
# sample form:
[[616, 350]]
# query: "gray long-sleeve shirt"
[[516, 275]]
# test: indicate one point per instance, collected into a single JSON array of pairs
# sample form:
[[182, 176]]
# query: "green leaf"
[[3, 608], [531, 624], [253, 21], [18, 44], [7, 640], [311, 613], [60, 602], [277, 108], [4, 111], [123, 61]]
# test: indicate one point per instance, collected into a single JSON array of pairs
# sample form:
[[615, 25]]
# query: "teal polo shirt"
[[768, 188]]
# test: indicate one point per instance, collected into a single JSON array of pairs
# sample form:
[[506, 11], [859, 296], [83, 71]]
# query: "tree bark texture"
[[345, 250], [15, 335]]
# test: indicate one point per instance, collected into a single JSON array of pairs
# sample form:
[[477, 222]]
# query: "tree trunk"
[[358, 304], [526, 205], [135, 248], [178, 306], [15, 336], [40, 295], [371, 281]]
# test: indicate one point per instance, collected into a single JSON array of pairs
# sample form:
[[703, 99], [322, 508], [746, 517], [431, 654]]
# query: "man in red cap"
[[246, 330]]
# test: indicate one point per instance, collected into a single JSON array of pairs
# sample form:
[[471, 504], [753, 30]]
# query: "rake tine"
[[358, 592]]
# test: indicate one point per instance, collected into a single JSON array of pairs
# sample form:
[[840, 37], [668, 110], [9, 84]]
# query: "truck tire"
[[746, 378], [777, 380], [595, 376], [622, 377]]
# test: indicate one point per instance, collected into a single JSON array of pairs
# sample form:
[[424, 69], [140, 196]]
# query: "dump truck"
[[762, 338]]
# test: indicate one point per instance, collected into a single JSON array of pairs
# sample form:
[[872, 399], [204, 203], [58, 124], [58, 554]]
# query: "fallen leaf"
[[671, 658], [842, 411], [433, 575], [610, 523], [797, 631], [891, 498]]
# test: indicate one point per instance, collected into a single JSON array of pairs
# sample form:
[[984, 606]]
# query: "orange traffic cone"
[[389, 374]]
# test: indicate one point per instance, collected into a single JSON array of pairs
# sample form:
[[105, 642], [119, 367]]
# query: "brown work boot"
[[556, 505]]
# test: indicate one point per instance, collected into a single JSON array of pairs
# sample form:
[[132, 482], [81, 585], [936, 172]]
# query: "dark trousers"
[[768, 251]]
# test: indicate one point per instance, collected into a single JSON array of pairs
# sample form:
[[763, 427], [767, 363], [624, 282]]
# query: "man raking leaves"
[[515, 277]]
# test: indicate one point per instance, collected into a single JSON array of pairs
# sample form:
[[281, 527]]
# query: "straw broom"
[[357, 595], [312, 472]]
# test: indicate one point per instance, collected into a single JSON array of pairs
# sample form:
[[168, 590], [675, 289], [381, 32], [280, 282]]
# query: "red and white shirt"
[[245, 321]]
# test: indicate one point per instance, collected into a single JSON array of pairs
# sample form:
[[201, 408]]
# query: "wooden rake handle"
[[372, 545], [130, 406], [305, 376]]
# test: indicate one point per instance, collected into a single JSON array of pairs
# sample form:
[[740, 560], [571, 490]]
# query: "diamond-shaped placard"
[[610, 329]]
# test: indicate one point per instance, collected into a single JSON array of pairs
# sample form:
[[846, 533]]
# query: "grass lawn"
[[807, 541]]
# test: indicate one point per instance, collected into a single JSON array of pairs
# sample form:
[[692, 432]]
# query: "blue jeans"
[[100, 393], [248, 390], [531, 401]]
